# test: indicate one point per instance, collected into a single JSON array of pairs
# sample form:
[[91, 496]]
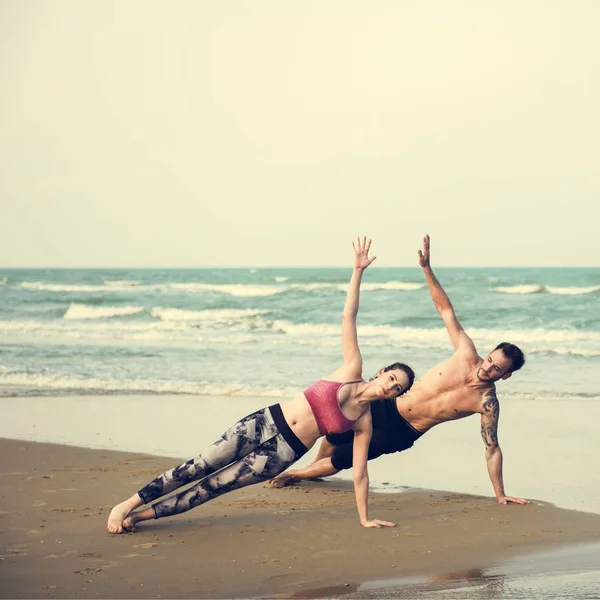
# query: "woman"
[[267, 442]]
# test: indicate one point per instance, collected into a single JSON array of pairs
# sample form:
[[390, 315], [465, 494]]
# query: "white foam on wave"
[[121, 283], [303, 329], [82, 311], [38, 286], [401, 286], [26, 382], [573, 291], [232, 289], [549, 396], [94, 329], [219, 326], [577, 343], [280, 279], [106, 287], [520, 289], [540, 289], [3, 280], [212, 315]]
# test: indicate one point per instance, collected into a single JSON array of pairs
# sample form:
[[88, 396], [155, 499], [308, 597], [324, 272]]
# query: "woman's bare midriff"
[[300, 418]]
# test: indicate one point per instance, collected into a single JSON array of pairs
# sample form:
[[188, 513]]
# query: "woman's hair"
[[402, 367]]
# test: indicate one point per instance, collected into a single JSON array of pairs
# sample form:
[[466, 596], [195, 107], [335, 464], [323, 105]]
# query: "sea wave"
[[82, 311], [84, 288], [3, 280], [233, 289], [250, 326], [547, 289], [211, 315], [121, 283], [548, 396], [39, 286], [401, 286], [21, 384], [241, 290], [520, 289], [573, 291]]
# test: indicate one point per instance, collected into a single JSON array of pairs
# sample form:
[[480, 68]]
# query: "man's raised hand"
[[424, 254]]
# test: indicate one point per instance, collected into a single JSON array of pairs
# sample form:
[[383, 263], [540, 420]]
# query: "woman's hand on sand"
[[361, 253], [511, 500], [377, 524]]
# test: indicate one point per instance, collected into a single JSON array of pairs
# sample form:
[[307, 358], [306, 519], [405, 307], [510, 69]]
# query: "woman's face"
[[390, 384]]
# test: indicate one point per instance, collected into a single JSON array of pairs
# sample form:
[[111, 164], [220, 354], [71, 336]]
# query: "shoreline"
[[254, 542], [449, 457]]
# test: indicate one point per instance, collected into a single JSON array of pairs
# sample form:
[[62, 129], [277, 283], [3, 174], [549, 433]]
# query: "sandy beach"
[[303, 541]]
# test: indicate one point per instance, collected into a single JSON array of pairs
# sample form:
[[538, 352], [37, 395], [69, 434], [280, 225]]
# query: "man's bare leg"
[[321, 468]]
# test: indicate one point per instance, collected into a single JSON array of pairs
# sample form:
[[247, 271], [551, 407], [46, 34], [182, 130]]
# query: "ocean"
[[162, 361], [271, 332]]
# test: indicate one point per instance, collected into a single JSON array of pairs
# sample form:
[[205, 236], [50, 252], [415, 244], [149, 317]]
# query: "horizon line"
[[130, 267]]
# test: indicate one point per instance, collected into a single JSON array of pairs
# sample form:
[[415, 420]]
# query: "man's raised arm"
[[457, 334], [493, 454]]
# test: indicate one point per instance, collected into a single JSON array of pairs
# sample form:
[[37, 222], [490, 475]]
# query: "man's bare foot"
[[117, 517], [284, 479]]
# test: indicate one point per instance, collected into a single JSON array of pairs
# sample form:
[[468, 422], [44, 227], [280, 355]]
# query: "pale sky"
[[271, 133]]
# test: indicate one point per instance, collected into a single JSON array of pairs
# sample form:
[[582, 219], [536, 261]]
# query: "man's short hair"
[[514, 353]]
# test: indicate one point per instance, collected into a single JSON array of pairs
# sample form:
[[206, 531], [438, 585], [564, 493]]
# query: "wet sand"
[[303, 541]]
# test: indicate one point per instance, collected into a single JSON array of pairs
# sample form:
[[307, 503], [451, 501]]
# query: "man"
[[456, 388]]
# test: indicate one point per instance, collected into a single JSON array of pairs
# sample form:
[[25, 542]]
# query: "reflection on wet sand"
[[570, 572]]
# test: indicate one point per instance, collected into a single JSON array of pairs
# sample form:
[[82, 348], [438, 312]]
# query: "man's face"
[[494, 367]]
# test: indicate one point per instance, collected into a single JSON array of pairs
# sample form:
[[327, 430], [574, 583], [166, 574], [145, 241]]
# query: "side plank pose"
[[267, 442], [456, 388]]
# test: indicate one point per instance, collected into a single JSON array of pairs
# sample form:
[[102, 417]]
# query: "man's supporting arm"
[[493, 453]]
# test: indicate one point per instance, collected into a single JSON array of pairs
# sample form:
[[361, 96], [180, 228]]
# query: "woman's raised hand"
[[361, 253]]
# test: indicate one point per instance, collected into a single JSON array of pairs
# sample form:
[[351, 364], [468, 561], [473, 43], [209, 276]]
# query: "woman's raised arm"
[[350, 350]]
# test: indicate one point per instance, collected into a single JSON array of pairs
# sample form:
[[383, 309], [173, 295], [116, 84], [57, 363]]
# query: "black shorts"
[[391, 433]]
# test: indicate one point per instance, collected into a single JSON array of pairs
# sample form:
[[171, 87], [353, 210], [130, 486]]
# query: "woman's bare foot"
[[117, 517], [129, 524], [132, 518], [120, 512]]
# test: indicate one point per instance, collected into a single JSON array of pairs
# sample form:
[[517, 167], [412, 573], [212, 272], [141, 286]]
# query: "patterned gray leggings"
[[255, 449]]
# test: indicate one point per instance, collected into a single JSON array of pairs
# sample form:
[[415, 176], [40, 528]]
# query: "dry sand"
[[254, 542]]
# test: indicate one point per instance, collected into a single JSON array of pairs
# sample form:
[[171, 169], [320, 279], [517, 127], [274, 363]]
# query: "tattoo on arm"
[[489, 420]]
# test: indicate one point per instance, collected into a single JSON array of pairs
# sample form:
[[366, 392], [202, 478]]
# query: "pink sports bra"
[[323, 399]]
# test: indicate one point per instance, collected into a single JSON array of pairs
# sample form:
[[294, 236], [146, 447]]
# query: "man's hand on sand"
[[377, 524], [511, 500], [424, 254]]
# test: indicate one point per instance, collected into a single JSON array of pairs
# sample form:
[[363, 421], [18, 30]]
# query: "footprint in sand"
[[16, 552], [146, 546], [89, 555], [63, 555], [88, 571]]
